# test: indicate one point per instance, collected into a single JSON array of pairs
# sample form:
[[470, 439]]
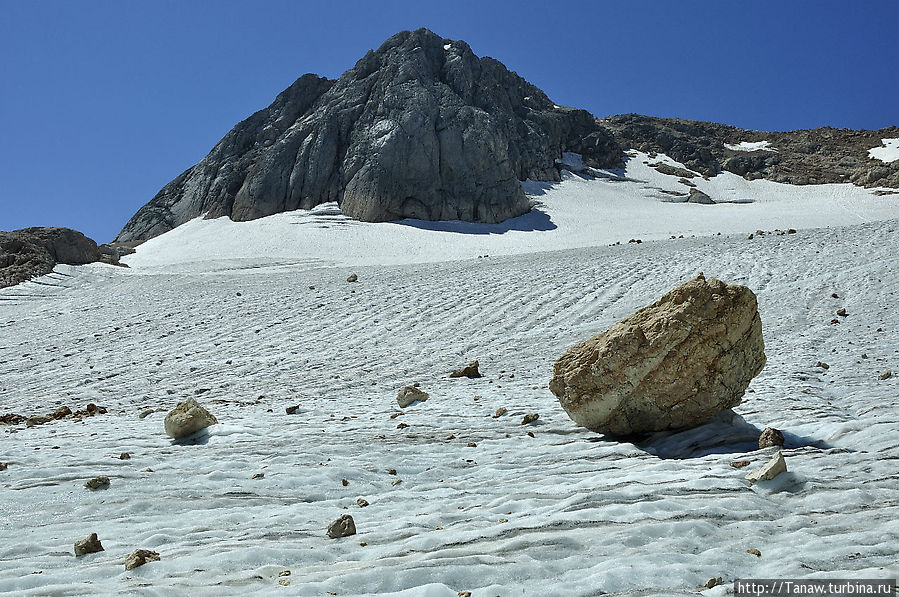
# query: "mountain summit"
[[419, 128]]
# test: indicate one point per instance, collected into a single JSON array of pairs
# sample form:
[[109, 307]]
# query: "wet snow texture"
[[565, 512]]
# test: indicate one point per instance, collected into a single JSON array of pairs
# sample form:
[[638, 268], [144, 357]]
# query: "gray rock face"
[[32, 252], [419, 128], [673, 364]]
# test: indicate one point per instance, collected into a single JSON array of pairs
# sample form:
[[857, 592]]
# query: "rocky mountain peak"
[[419, 128]]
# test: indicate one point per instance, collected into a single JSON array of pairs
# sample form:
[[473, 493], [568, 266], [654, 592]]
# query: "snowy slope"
[[565, 512]]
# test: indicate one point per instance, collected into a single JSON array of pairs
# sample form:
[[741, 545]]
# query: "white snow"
[[566, 512], [447, 46], [889, 152], [750, 146]]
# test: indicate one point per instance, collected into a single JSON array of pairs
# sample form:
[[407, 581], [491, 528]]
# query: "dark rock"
[[32, 252], [697, 196], [362, 502], [61, 412], [342, 527], [419, 128], [292, 409], [673, 170], [470, 371], [528, 419], [352, 278], [771, 438], [90, 545], [97, 483], [12, 419], [124, 456], [885, 375]]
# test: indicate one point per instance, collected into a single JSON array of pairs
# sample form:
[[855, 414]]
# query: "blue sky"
[[103, 103]]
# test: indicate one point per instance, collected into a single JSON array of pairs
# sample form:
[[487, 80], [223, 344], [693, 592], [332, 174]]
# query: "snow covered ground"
[[750, 146], [254, 317], [888, 152]]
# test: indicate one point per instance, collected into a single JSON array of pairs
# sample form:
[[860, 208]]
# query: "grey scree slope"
[[419, 128]]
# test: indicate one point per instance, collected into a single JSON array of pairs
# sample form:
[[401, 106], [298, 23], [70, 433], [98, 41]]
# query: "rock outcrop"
[[673, 364], [32, 252], [419, 128], [815, 156], [187, 418]]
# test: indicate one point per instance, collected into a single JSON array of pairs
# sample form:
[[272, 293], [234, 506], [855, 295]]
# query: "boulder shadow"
[[198, 438], [535, 220], [726, 433]]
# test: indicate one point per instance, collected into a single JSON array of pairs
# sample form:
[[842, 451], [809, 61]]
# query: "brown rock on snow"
[[673, 364], [139, 557]]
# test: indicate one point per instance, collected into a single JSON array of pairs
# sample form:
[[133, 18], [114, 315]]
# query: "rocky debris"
[[342, 527], [530, 418], [32, 252], [124, 456], [885, 375], [673, 170], [822, 155], [12, 419], [37, 420], [362, 502], [500, 412], [61, 413], [187, 418], [740, 463], [344, 482], [822, 365], [697, 196], [770, 437], [470, 370], [842, 312], [754, 552], [258, 476], [139, 557], [292, 410], [769, 470], [352, 278], [4, 466], [90, 545], [713, 582], [673, 364], [409, 395], [98, 482], [419, 128]]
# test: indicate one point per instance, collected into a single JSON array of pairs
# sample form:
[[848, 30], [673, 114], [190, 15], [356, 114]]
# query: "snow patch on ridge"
[[750, 146], [889, 152]]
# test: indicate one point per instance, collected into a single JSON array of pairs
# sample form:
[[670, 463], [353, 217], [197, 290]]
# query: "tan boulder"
[[188, 418], [671, 365]]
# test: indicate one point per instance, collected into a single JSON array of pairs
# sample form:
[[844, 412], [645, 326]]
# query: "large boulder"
[[187, 418], [673, 364], [32, 252], [419, 128]]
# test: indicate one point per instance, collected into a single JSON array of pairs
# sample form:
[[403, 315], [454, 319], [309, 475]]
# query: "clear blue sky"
[[103, 103]]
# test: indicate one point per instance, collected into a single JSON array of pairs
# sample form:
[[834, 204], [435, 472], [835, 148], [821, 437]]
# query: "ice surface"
[[750, 146], [889, 152], [565, 512]]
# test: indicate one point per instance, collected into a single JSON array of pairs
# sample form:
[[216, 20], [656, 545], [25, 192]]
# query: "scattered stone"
[[391, 471], [500, 412], [4, 466], [124, 456], [697, 196], [12, 419], [344, 482], [834, 295], [61, 413], [284, 573], [770, 438], [291, 410], [396, 482], [409, 395], [362, 544], [97, 483], [362, 502], [791, 231], [530, 433], [740, 463], [402, 425], [139, 557], [450, 437], [37, 420], [284, 582], [771, 469], [146, 413], [822, 365], [750, 237], [464, 594], [885, 375], [754, 552], [342, 527], [528, 419], [471, 445], [713, 582], [259, 476], [833, 321], [187, 418], [673, 364], [841, 312], [90, 545], [470, 371], [352, 278]]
